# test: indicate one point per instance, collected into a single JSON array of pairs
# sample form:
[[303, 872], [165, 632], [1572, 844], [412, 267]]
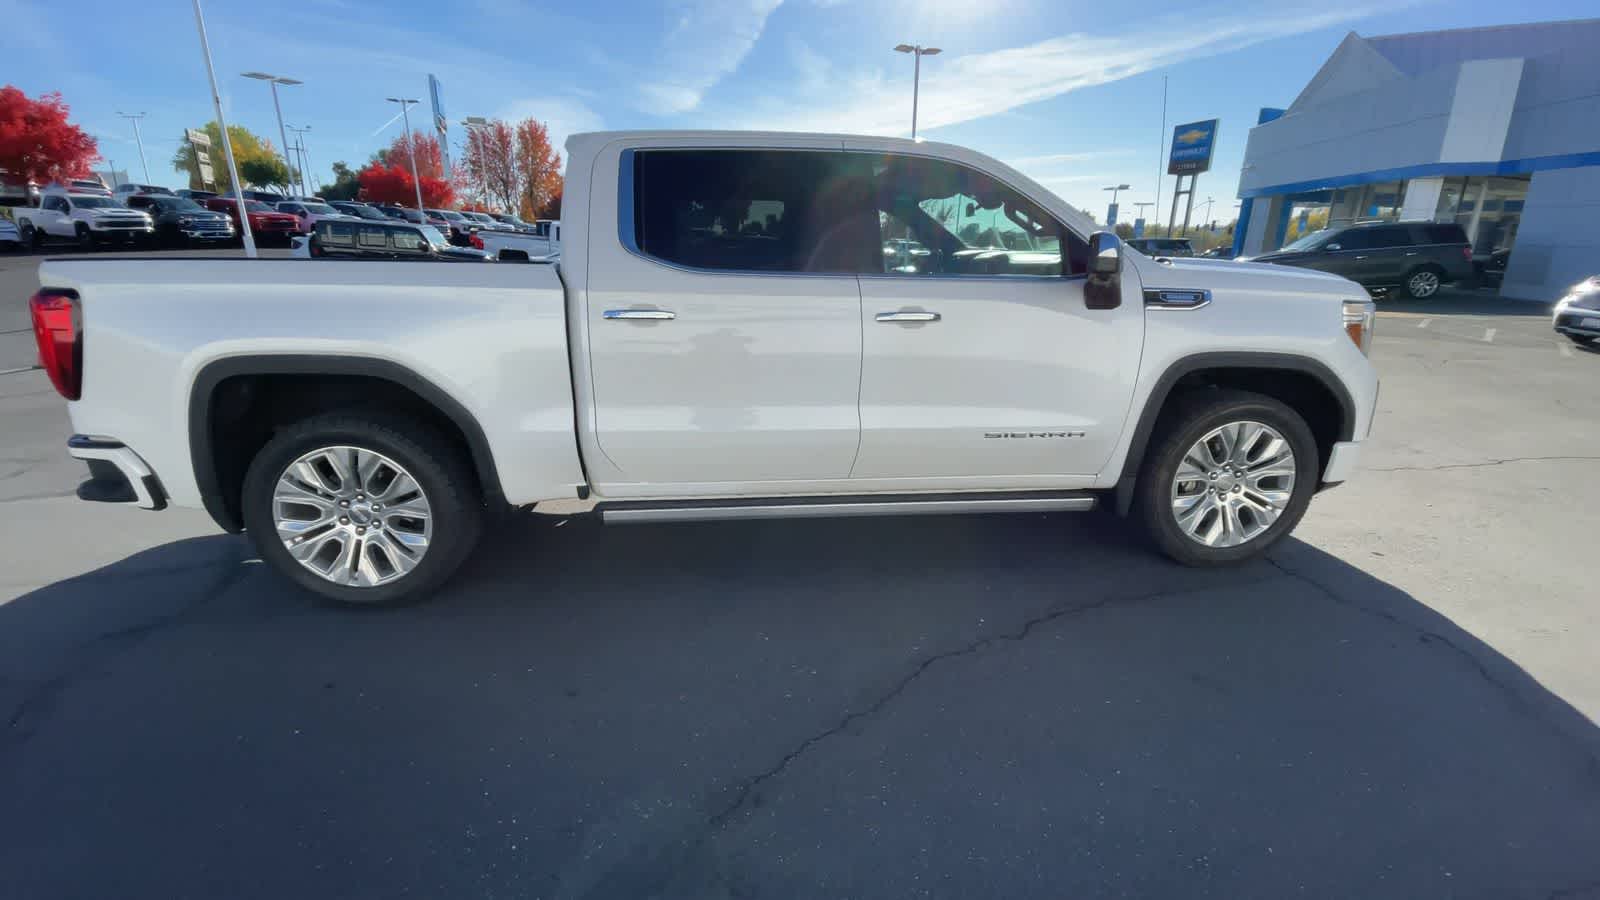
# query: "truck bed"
[[493, 337]]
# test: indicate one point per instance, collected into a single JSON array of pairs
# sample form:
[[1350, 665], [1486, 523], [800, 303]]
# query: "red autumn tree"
[[393, 184], [424, 146], [538, 167], [37, 143]]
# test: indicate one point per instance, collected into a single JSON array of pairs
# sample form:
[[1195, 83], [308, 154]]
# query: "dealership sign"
[[1191, 148]]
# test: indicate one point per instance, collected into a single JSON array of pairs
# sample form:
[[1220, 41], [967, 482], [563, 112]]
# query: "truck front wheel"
[[1229, 474], [362, 509]]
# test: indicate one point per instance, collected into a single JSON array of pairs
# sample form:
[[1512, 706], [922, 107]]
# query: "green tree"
[[346, 186], [247, 145], [264, 171]]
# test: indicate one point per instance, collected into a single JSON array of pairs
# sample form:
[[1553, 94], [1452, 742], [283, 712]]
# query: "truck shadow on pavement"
[[1009, 706]]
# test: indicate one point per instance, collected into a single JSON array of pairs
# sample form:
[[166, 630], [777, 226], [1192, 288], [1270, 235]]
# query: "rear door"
[[1391, 254], [981, 364], [724, 317]]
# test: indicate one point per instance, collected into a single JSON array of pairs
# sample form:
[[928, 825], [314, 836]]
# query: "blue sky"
[[1067, 90]]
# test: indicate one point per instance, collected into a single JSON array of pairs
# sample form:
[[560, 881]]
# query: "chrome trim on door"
[[780, 510], [1175, 298], [907, 316], [649, 314]]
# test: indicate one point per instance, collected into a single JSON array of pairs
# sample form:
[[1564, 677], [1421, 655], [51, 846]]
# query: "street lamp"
[[245, 236], [918, 51], [305, 158], [138, 139], [1111, 211], [416, 180], [276, 80]]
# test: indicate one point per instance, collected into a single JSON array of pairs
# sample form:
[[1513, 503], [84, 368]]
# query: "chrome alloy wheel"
[[1233, 484], [352, 516], [1423, 284]]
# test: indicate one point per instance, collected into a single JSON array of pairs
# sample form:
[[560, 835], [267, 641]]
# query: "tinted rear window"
[[1442, 234], [753, 210]]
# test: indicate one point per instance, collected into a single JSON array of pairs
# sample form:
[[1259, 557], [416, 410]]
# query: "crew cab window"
[[370, 237], [337, 234], [941, 218], [753, 210], [408, 241], [1389, 236]]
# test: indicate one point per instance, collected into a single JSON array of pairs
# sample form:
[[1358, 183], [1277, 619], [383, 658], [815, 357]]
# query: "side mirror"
[[1332, 247], [1103, 289]]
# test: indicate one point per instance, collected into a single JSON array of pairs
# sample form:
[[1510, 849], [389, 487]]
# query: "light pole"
[[416, 180], [227, 144], [276, 80], [1111, 211], [138, 139], [305, 158], [1209, 201], [918, 51]]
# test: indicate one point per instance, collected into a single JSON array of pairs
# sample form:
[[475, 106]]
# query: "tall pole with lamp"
[[222, 124], [918, 51], [276, 80], [307, 184], [138, 139], [1111, 211], [416, 180]]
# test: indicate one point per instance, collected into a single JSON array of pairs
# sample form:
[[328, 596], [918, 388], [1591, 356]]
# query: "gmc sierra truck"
[[723, 336]]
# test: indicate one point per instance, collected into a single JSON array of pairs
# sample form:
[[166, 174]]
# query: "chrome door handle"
[[1412, 253], [649, 314], [907, 316], [1361, 257]]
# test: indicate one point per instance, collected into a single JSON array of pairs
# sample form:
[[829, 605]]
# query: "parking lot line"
[[1565, 348], [1488, 335], [1424, 323]]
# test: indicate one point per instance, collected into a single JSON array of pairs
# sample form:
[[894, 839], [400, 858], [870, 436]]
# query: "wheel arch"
[[1244, 369], [218, 485]]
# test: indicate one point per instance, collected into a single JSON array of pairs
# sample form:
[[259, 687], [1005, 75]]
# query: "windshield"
[[321, 209], [1310, 242], [435, 239], [447, 214], [180, 205], [365, 212], [257, 206], [95, 203]]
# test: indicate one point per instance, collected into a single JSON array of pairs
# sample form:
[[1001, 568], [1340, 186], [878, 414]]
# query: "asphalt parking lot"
[[1401, 702]]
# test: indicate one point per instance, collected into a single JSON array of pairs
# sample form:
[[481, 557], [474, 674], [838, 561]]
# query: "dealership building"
[[1497, 129]]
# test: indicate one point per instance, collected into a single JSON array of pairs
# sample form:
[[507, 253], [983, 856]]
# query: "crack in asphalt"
[[1481, 465], [1516, 699], [24, 721], [717, 820]]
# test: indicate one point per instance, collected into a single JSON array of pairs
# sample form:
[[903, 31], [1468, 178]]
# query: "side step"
[[625, 511]]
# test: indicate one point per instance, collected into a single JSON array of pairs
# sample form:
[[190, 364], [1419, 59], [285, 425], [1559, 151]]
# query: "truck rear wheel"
[[1229, 474], [362, 509]]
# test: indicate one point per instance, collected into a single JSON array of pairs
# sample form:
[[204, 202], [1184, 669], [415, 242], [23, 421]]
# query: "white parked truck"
[[722, 337], [84, 217], [542, 244]]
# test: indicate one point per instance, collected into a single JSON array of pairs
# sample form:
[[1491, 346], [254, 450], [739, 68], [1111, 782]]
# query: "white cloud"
[[706, 43], [963, 88]]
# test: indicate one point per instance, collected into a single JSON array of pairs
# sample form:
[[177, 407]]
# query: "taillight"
[[476, 242], [58, 332], [1466, 252]]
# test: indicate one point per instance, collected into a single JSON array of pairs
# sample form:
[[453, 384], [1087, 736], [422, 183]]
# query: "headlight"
[[1360, 319]]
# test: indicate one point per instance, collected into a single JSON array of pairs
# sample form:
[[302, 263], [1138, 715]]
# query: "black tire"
[[85, 237], [1189, 419], [1412, 290], [438, 467], [32, 238]]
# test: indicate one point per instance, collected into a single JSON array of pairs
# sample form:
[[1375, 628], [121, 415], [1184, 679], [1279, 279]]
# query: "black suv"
[[1417, 257]]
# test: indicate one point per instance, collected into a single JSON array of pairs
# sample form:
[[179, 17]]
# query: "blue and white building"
[[1495, 128]]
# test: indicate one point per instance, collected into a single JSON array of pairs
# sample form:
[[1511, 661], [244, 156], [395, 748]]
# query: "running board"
[[837, 506]]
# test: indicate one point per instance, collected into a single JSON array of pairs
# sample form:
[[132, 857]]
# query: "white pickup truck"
[[724, 336], [541, 244]]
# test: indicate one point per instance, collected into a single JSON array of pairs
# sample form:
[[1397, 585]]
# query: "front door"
[[980, 360], [725, 332]]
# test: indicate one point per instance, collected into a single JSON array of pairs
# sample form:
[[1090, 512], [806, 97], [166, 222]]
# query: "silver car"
[[1577, 315]]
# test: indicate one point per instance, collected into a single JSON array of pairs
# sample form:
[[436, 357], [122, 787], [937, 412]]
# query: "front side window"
[[55, 204], [937, 217], [1389, 236]]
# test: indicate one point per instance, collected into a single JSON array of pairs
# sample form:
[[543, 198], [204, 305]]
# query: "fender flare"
[[1229, 359], [215, 372]]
